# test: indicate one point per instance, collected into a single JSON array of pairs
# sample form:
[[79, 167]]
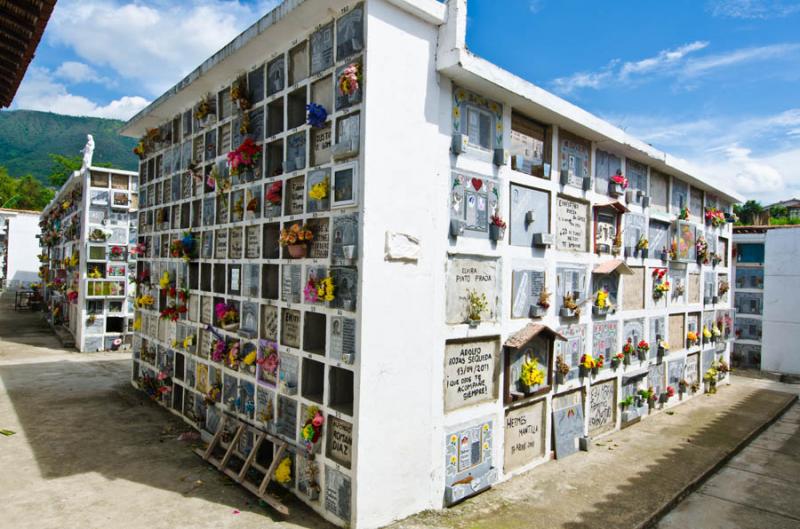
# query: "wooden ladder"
[[249, 461]]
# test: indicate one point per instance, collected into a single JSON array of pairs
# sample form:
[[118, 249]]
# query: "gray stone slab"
[[786, 443], [708, 512], [768, 463], [754, 490]]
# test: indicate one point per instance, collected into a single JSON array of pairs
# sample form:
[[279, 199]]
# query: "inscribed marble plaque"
[[677, 331], [470, 372], [345, 237], [602, 407], [524, 435], [337, 493], [571, 225], [633, 286], [322, 49], [340, 441], [476, 274], [343, 337], [290, 328], [525, 290]]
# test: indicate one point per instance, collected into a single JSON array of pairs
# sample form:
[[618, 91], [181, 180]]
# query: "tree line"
[[27, 192]]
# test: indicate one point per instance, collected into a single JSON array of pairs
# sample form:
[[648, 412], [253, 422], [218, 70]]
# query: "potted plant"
[[627, 402], [562, 370], [497, 227], [669, 393], [683, 385], [710, 379], [183, 247], [617, 360], [570, 308], [296, 239], [587, 365], [661, 284], [642, 349], [706, 334], [702, 250], [663, 347], [723, 288], [715, 259], [616, 246], [227, 316], [664, 255], [316, 115], [617, 184], [539, 310], [476, 305], [692, 338], [627, 351], [642, 246], [530, 375], [599, 363], [601, 304], [684, 214]]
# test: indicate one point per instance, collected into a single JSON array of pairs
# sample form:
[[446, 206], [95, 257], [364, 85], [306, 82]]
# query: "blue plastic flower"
[[317, 115]]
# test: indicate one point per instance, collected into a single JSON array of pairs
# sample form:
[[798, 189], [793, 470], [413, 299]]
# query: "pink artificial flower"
[[317, 420]]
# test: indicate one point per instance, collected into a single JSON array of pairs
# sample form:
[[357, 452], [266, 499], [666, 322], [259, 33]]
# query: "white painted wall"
[[398, 426], [23, 249], [780, 349]]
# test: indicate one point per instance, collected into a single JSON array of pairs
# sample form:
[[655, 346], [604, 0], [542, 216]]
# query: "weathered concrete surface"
[[92, 452], [759, 488], [629, 477]]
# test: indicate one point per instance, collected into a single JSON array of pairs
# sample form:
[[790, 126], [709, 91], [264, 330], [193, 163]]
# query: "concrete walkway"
[[91, 452], [629, 479], [759, 488]]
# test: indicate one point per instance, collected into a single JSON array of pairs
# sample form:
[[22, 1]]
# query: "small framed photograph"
[[345, 185]]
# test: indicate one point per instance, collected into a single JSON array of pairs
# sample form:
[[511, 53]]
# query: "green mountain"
[[27, 137]]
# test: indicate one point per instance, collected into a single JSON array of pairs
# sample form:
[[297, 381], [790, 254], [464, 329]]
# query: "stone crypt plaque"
[[470, 372], [467, 273], [524, 436]]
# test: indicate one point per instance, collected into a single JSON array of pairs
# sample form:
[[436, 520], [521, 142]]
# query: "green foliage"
[[779, 211], [27, 138], [748, 212], [64, 166], [23, 193], [783, 221]]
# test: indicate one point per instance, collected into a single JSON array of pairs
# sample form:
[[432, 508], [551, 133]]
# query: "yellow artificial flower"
[[164, 281], [319, 190], [250, 359], [531, 375], [283, 474], [188, 342], [137, 324]]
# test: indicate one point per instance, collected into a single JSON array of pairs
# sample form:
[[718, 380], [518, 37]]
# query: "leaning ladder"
[[259, 490]]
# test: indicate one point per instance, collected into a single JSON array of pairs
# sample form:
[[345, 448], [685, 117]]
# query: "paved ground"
[[758, 488], [91, 452]]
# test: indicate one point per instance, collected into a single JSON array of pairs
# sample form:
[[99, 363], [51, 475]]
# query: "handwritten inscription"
[[571, 219], [470, 372]]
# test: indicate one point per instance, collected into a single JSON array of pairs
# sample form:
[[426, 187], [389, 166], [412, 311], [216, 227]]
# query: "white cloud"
[[663, 62], [535, 5], [701, 66], [39, 91], [75, 72], [753, 9], [665, 58], [756, 156], [155, 44]]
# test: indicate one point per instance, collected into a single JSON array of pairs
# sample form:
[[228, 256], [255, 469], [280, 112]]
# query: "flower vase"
[[496, 233], [297, 251], [642, 355], [595, 371], [644, 253], [664, 256], [560, 377], [627, 359], [583, 371]]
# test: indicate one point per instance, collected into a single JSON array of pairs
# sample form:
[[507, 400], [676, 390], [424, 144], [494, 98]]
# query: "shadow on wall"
[[84, 417]]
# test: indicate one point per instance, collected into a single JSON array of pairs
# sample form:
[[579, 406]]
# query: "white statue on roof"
[[88, 151]]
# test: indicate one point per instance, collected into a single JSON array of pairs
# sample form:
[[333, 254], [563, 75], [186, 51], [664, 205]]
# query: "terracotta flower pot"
[[297, 251]]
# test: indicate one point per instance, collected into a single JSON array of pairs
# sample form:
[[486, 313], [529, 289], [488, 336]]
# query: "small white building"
[[466, 226], [89, 242], [19, 230], [767, 298]]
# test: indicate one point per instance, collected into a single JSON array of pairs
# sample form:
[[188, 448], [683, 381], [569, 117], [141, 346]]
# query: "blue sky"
[[715, 82]]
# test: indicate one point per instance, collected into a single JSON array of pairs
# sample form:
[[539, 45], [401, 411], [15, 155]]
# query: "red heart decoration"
[[477, 183]]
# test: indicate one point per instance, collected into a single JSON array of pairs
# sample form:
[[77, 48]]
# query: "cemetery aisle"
[[758, 488], [631, 477], [85, 449]]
